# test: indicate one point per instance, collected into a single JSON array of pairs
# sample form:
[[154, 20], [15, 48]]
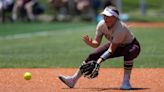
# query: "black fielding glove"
[[90, 69]]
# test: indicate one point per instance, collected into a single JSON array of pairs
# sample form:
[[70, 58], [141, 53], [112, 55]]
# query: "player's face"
[[110, 21]]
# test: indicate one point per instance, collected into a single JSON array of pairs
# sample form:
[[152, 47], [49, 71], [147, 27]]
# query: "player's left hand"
[[90, 70]]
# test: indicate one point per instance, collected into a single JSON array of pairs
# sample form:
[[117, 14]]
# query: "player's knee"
[[131, 55], [132, 51]]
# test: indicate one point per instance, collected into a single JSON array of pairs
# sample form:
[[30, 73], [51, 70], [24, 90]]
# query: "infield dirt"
[[109, 80]]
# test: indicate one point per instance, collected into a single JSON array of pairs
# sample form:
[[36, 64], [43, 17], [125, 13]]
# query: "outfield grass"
[[131, 5], [60, 45]]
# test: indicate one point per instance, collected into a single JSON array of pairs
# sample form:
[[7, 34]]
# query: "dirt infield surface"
[[109, 80], [146, 24]]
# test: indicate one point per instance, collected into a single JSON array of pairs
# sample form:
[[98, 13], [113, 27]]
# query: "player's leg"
[[1, 11], [14, 12], [70, 81], [29, 10], [130, 53], [17, 6], [128, 65]]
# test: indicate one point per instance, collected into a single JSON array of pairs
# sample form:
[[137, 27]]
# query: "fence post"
[[143, 7]]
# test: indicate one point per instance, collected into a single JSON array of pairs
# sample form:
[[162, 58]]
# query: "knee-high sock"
[[77, 75], [128, 65]]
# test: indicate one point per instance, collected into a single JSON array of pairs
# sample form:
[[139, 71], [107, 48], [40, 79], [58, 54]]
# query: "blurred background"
[[79, 10], [48, 33]]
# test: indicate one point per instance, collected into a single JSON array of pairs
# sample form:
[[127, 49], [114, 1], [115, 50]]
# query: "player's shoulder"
[[119, 27], [123, 24], [100, 24]]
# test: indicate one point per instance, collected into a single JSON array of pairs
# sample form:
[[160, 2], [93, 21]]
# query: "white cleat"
[[126, 86], [67, 80]]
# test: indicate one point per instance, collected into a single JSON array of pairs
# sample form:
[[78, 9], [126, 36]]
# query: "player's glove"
[[90, 70]]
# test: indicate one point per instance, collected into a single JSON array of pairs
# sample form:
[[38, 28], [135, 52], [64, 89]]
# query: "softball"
[[27, 75]]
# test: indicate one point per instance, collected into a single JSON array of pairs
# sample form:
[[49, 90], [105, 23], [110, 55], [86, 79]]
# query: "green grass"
[[154, 10], [131, 5], [60, 45], [146, 18], [20, 27]]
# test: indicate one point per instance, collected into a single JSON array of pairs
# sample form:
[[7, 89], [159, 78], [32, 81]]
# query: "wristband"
[[105, 55]]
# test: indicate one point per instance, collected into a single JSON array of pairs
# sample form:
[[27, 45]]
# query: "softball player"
[[121, 42]]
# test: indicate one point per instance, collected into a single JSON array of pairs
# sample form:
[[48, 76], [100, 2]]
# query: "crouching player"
[[121, 42]]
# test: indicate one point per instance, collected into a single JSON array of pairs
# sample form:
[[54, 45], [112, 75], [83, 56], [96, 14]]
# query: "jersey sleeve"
[[98, 29]]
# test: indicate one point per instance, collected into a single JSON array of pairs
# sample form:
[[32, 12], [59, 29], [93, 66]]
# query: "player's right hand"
[[87, 40]]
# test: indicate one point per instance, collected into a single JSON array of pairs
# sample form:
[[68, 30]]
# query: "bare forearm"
[[100, 60], [107, 53]]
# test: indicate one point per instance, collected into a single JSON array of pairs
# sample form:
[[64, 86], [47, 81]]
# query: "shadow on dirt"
[[107, 89]]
